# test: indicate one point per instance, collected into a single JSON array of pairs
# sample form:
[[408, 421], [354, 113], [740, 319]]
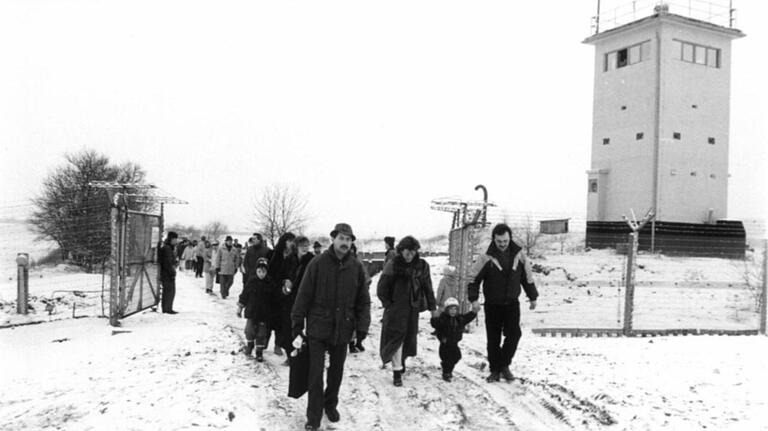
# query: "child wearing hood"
[[449, 328]]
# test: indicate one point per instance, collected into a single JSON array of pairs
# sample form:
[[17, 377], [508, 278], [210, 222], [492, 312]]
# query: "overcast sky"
[[371, 108]]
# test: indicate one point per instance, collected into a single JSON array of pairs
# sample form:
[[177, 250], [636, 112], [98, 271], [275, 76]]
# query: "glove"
[[296, 331]]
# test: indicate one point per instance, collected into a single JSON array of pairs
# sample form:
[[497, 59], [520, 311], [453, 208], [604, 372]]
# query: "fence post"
[[629, 291], [22, 287], [764, 294], [113, 261]]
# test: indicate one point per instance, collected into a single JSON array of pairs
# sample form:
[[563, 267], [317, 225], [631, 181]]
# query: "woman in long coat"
[[282, 269], [405, 290]]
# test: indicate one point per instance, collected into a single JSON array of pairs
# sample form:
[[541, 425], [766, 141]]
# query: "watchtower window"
[[606, 141], [622, 58], [627, 56], [711, 140], [698, 54], [639, 136], [676, 136], [593, 186]]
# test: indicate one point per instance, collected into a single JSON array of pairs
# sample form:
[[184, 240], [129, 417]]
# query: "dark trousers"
[[199, 267], [502, 320], [256, 331], [169, 292], [226, 283], [319, 399], [450, 355]]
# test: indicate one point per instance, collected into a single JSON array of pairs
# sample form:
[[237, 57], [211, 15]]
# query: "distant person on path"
[[448, 287], [390, 253], [449, 328], [208, 269], [167, 262], [227, 262], [282, 269], [334, 301], [257, 300], [179, 250], [504, 270], [405, 290], [199, 256], [356, 343], [188, 256], [318, 248]]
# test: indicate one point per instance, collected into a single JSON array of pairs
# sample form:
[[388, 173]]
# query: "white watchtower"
[[661, 112]]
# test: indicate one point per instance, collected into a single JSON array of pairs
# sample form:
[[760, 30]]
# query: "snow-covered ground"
[[186, 371]]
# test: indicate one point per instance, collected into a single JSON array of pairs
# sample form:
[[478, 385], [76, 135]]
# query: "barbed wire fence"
[[61, 284], [580, 288]]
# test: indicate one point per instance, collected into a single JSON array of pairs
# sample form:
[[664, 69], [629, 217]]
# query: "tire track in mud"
[[559, 401]]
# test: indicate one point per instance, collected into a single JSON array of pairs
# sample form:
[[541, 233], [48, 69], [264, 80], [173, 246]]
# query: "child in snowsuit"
[[258, 299], [449, 327]]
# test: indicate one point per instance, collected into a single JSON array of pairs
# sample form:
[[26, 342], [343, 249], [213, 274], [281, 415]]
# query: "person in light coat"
[[448, 287], [208, 269], [227, 263]]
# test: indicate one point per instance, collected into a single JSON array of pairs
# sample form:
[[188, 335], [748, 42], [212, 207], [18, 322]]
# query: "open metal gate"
[[467, 231], [463, 248], [135, 278]]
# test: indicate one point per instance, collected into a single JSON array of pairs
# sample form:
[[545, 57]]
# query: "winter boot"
[[310, 427], [260, 355], [333, 414], [397, 378], [494, 377], [278, 350], [352, 347], [507, 374], [249, 348], [359, 346], [447, 377]]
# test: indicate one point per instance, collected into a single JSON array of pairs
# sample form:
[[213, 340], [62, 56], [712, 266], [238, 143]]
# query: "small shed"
[[553, 227]]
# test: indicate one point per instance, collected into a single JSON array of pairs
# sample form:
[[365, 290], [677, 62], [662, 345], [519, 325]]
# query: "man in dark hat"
[[317, 248], [167, 262], [334, 299]]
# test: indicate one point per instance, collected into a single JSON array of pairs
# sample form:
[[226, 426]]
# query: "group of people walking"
[[324, 300]]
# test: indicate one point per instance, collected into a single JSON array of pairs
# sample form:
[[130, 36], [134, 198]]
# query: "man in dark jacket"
[[255, 251], [502, 270], [334, 300], [167, 262]]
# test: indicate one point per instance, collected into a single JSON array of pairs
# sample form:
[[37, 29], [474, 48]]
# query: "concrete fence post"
[[764, 293], [629, 291], [22, 286]]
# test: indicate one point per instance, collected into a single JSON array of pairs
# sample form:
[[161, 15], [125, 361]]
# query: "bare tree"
[[527, 234], [75, 215], [214, 230], [280, 208]]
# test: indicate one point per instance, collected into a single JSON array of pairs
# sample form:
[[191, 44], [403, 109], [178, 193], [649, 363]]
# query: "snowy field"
[[187, 372]]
